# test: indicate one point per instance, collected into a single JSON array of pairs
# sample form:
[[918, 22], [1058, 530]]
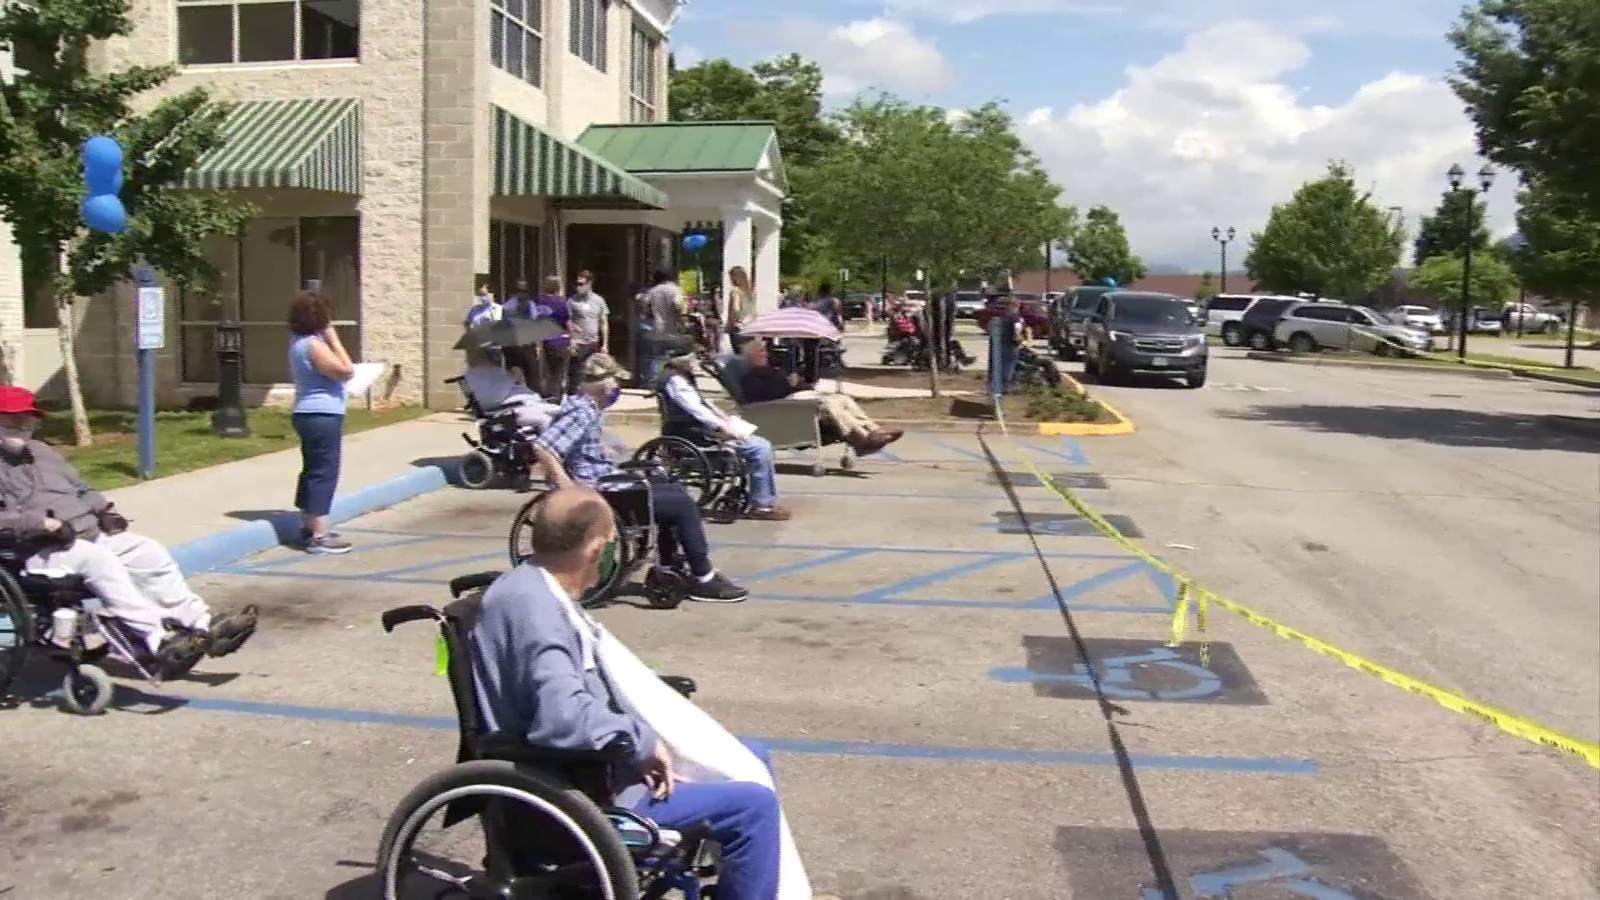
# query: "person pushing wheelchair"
[[45, 505]]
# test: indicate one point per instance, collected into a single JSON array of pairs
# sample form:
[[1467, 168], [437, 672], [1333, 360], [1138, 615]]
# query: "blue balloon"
[[101, 153], [102, 181], [105, 213], [1111, 282], [694, 242]]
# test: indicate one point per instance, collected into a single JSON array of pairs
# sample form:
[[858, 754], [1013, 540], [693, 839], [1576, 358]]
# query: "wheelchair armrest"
[[514, 748], [403, 614], [683, 684], [460, 585], [38, 583], [455, 380]]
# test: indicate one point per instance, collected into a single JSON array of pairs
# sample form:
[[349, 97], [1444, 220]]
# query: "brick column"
[[454, 183]]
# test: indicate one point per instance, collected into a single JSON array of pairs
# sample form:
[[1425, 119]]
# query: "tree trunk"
[[933, 351], [69, 365]]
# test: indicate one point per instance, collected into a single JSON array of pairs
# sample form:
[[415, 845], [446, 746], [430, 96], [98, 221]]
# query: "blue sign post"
[[151, 336]]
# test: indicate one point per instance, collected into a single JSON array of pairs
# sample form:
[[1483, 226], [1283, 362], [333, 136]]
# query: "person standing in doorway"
[[741, 305], [320, 367], [591, 328], [556, 349], [661, 324]]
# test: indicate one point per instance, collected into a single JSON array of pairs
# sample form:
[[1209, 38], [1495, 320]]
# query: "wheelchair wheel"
[[688, 465], [86, 691], [16, 631], [537, 837], [476, 470], [619, 558]]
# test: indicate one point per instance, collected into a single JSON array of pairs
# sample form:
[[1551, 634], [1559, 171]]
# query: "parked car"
[[968, 303], [1529, 319], [1322, 325], [855, 306], [1141, 333], [1068, 316], [1259, 323], [1050, 297], [1422, 317], [1034, 316]]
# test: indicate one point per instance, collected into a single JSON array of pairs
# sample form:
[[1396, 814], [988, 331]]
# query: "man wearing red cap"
[[45, 505]]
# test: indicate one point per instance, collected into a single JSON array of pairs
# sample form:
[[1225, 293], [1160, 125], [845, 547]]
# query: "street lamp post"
[[229, 419], [1456, 176], [1223, 238]]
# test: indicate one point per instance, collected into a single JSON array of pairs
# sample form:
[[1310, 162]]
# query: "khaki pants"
[[136, 578], [843, 409]]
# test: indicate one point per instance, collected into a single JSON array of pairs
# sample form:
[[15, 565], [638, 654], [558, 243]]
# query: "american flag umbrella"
[[794, 322]]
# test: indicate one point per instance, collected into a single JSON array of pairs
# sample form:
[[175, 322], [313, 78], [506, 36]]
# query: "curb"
[[1470, 372], [218, 550], [1534, 375], [1122, 425]]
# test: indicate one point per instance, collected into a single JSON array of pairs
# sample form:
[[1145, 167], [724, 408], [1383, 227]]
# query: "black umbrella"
[[509, 333]]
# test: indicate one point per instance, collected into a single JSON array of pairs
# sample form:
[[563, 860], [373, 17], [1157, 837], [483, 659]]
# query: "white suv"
[[1224, 311], [1417, 317], [1530, 319]]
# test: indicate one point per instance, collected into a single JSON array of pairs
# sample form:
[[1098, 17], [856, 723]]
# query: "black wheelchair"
[[714, 473], [501, 451], [81, 639], [547, 830], [628, 493]]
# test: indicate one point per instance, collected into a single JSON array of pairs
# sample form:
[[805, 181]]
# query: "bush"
[[1041, 404]]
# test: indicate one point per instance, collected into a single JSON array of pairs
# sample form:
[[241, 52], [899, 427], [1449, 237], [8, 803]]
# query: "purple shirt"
[[554, 307]]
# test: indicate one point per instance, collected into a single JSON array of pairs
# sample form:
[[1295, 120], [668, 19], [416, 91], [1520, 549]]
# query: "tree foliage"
[[1531, 82], [1493, 282], [46, 116], [1444, 232], [1559, 256], [1100, 250], [1330, 240]]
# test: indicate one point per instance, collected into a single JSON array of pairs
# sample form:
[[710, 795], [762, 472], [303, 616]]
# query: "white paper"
[[739, 428], [366, 375]]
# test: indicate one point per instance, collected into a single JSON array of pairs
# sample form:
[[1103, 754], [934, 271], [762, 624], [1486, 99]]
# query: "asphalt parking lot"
[[906, 656]]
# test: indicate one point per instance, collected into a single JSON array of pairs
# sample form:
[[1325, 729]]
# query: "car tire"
[[1196, 379], [1300, 342], [1260, 341], [1230, 335]]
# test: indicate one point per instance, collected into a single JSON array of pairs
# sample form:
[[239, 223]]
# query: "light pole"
[[1457, 175], [1223, 238]]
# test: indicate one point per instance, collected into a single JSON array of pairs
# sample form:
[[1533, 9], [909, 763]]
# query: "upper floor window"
[[642, 77], [588, 29], [249, 31], [516, 38]]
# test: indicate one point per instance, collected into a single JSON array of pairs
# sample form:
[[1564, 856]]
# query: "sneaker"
[[769, 514], [717, 590], [230, 632], [327, 544], [665, 588]]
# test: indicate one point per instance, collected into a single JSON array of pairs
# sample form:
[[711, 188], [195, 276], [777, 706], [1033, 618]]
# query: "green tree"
[[1559, 256], [1207, 287], [1529, 78], [46, 116], [1330, 240], [1493, 282], [1443, 232], [1100, 250]]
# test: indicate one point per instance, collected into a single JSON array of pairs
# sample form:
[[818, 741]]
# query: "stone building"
[[398, 151]]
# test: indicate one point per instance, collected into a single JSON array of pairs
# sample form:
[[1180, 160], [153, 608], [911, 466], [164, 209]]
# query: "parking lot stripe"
[[1269, 765], [802, 565], [931, 578]]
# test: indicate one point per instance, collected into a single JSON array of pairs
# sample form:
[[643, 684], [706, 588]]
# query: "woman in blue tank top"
[[320, 366]]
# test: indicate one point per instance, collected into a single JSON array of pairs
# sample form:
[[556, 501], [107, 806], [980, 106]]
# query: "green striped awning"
[[311, 143], [530, 161]]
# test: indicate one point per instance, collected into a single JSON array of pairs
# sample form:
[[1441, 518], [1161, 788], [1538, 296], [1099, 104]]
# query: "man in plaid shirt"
[[570, 450]]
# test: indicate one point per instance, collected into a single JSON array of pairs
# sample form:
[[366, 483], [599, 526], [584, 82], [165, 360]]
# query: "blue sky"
[[1181, 114]]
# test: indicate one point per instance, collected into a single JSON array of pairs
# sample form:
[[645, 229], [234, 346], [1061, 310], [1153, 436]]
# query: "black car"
[[1258, 323], [1068, 315], [1142, 333], [854, 306]]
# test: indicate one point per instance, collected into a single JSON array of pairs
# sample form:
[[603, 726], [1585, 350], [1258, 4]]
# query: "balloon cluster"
[[102, 171], [1110, 282], [694, 242]]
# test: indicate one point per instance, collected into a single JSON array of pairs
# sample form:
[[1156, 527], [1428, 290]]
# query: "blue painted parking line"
[[295, 559], [1071, 451], [933, 752], [931, 578], [969, 454], [425, 566], [801, 566], [951, 603]]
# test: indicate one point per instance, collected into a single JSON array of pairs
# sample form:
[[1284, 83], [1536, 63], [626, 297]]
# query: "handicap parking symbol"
[[1118, 675], [1280, 868]]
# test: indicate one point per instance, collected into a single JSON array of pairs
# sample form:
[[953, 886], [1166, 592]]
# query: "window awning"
[[529, 161], [310, 143]]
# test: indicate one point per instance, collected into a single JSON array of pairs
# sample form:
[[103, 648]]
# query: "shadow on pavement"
[[451, 465], [1158, 382], [804, 468], [285, 523], [1449, 427]]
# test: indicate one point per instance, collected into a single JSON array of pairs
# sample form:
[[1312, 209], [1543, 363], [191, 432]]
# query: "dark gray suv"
[[1137, 333]]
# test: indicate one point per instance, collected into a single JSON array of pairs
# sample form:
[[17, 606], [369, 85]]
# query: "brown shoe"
[[770, 514]]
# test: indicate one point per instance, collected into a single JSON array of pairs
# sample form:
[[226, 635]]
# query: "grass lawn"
[[183, 440]]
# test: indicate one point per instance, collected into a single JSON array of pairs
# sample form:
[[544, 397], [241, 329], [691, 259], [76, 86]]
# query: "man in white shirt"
[[489, 383], [689, 416], [590, 326], [483, 308]]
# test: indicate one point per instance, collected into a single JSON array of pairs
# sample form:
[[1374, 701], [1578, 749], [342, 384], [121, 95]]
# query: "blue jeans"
[[744, 820], [1002, 367], [321, 436], [757, 454]]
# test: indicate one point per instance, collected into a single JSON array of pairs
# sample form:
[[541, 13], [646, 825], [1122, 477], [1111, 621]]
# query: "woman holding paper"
[[321, 368]]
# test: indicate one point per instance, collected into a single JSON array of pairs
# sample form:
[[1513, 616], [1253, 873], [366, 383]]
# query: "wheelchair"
[[546, 829], [628, 493], [713, 471], [29, 602], [501, 451]]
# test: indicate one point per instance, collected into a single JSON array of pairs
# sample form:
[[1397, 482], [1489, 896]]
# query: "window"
[[588, 28], [259, 274], [1323, 313], [219, 32], [642, 77], [513, 257], [516, 38], [1229, 304]]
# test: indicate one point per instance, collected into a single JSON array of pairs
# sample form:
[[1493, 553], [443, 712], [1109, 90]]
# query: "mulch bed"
[[1062, 407]]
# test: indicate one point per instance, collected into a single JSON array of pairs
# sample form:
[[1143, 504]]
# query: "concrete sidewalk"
[[211, 516]]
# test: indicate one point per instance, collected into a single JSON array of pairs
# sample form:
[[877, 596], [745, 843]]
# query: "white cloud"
[[687, 57], [867, 53], [1210, 135]]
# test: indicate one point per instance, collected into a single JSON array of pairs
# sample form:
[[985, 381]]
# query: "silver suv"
[[1324, 325]]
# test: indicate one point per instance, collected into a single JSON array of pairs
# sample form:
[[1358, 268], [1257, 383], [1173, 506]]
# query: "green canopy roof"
[[530, 161], [672, 147], [312, 143]]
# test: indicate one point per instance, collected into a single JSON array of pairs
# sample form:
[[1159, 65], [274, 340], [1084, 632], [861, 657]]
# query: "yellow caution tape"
[[1191, 594]]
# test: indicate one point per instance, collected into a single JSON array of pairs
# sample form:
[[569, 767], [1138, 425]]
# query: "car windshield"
[[1150, 311], [1086, 300]]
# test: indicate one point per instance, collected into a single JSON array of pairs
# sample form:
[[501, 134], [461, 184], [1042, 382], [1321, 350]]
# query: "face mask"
[[611, 397], [14, 439]]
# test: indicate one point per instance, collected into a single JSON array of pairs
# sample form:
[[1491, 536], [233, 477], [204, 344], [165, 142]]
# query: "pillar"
[[767, 274], [738, 237]]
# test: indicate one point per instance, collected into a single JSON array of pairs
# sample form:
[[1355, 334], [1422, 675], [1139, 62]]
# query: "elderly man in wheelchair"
[[508, 414], [589, 776]]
